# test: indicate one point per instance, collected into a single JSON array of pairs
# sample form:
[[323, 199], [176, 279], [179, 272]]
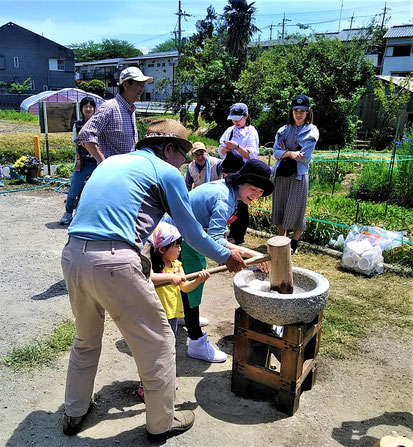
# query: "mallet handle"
[[224, 268]]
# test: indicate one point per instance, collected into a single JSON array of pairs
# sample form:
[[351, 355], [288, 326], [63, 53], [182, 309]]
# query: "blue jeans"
[[77, 183], [173, 322]]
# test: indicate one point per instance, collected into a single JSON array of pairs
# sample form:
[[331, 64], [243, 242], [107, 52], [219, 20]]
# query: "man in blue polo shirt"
[[104, 269]]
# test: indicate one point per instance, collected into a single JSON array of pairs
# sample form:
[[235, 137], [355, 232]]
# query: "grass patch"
[[357, 307], [13, 115], [40, 353]]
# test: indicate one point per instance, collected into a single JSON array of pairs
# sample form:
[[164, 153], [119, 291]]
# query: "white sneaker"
[[66, 218], [203, 350], [202, 321]]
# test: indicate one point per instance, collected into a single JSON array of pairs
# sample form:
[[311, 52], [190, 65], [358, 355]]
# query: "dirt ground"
[[8, 126], [353, 403]]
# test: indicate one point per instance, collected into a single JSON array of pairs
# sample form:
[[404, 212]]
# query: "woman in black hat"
[[214, 205], [293, 146]]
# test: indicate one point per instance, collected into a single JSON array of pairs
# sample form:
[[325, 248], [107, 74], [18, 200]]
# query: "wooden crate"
[[276, 369]]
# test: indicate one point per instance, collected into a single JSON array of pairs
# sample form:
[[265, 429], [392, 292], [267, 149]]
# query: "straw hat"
[[166, 131]]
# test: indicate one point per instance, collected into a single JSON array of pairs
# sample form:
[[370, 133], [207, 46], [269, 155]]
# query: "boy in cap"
[[112, 129]]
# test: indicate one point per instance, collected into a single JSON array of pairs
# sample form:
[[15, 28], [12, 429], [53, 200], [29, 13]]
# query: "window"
[[158, 64], [150, 65], [400, 50], [163, 64], [16, 62], [45, 88], [56, 64], [2, 63]]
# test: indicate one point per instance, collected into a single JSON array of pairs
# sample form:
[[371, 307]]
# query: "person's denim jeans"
[[77, 183]]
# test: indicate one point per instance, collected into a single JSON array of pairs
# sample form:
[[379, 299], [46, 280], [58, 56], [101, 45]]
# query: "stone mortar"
[[309, 297]]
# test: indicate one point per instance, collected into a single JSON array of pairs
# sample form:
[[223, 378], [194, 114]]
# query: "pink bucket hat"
[[164, 234]]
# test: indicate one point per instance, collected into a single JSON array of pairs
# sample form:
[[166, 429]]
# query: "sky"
[[147, 23]]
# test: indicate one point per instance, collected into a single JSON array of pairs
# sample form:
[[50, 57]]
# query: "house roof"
[[398, 80], [399, 31], [113, 61], [344, 35], [14, 25], [173, 53]]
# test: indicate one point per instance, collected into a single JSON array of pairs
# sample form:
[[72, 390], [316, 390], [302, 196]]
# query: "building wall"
[[24, 54], [397, 65]]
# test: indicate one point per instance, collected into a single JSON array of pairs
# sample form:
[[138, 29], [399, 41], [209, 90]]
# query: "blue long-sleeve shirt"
[[307, 138], [213, 204], [126, 197]]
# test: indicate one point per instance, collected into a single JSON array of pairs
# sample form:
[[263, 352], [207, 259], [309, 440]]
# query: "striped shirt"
[[112, 127]]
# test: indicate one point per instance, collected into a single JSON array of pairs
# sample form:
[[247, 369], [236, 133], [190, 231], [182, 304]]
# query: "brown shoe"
[[183, 421]]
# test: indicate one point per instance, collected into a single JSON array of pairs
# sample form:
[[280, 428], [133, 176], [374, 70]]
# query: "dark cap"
[[301, 102], [237, 111], [256, 173]]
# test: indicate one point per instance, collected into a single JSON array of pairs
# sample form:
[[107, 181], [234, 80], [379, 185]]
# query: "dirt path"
[[353, 403]]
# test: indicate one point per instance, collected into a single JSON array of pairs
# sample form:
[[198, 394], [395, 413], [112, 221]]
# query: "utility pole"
[[271, 27], [341, 12], [180, 14], [283, 26], [351, 21], [385, 9]]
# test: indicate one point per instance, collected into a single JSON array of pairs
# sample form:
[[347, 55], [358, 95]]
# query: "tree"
[[211, 62], [238, 21], [168, 45], [392, 97], [334, 74], [94, 86], [107, 49]]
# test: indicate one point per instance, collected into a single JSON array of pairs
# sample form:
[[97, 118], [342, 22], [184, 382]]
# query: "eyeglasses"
[[181, 151]]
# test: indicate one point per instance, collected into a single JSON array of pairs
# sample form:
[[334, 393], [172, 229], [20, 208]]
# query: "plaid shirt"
[[112, 127]]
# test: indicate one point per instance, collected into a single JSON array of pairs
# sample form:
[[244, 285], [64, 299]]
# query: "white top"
[[246, 137]]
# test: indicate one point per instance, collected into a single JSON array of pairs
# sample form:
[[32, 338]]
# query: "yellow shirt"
[[170, 295]]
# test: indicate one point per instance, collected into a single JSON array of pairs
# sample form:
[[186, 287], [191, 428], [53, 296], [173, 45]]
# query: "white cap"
[[133, 73]]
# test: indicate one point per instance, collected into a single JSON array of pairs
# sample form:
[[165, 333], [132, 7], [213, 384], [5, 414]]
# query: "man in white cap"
[[112, 129]]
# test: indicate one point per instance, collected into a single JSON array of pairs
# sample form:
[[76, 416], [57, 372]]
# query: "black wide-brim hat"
[[256, 173]]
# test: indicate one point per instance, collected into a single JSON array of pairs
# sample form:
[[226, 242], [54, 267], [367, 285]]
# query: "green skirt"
[[192, 261]]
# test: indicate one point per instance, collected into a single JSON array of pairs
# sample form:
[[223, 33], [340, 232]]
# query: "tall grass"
[[13, 115]]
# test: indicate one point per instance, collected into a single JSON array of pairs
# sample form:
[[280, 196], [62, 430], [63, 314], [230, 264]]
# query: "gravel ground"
[[353, 403]]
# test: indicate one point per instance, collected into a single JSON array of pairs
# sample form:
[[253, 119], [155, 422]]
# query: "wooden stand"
[[277, 369]]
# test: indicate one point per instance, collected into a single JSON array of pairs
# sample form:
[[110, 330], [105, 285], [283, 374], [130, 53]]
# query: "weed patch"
[[40, 353]]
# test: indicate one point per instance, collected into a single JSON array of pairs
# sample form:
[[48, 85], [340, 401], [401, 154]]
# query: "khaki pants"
[[111, 276]]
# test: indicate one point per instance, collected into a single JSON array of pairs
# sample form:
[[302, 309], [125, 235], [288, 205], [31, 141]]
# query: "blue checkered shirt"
[[112, 127]]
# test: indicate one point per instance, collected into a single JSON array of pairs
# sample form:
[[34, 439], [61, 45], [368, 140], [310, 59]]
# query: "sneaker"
[[141, 391], [203, 350], [183, 421], [72, 424], [66, 218], [202, 321]]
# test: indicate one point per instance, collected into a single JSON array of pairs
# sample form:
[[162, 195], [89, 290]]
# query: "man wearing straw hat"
[[104, 269]]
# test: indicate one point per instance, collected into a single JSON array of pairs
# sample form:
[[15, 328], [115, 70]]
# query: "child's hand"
[[177, 279], [264, 266], [203, 276]]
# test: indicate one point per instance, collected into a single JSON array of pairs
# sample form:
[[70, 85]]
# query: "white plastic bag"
[[364, 246]]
